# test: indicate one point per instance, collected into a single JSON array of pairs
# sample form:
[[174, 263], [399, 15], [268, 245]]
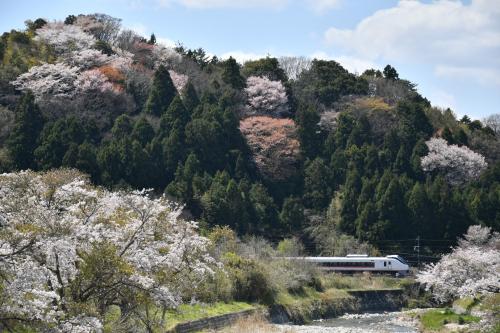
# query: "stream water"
[[387, 322]]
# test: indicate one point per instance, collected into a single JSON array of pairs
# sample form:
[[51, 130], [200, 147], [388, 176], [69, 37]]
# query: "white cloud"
[[242, 57], [440, 32], [443, 99], [321, 6], [485, 76], [352, 64], [139, 29], [165, 41], [199, 4]]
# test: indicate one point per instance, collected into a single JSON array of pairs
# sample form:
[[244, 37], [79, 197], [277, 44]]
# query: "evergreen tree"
[[419, 206], [143, 131], [264, 209], [292, 214], [27, 127], [162, 92], [190, 98], [122, 127], [308, 130], [390, 73], [175, 117], [231, 74], [317, 190], [152, 39]]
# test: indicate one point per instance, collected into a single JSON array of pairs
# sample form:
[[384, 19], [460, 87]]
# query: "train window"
[[385, 263]]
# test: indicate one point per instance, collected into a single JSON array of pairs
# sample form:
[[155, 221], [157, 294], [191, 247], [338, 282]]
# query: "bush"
[[251, 280]]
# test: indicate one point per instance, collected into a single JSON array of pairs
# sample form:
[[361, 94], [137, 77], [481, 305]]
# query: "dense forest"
[[277, 147]]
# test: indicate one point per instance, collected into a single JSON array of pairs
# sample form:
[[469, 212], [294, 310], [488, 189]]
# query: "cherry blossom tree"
[[54, 80], [92, 80], [459, 164], [165, 56], [470, 269], [61, 80], [68, 250], [64, 38], [179, 80], [87, 59], [274, 145], [265, 97]]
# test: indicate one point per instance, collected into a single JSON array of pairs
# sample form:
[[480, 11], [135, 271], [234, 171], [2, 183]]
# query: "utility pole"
[[417, 248]]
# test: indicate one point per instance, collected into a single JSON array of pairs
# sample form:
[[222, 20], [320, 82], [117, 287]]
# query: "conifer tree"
[[143, 131], [231, 74], [307, 119], [190, 97], [27, 127], [162, 92]]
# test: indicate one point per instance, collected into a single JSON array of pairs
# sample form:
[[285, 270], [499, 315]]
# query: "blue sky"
[[450, 48]]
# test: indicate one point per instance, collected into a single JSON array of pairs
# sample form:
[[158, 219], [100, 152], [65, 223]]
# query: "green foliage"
[[251, 280], [326, 82], [390, 73], [266, 67], [436, 319], [162, 92], [231, 74], [23, 138]]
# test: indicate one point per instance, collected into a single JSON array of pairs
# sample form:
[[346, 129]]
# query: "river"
[[387, 322]]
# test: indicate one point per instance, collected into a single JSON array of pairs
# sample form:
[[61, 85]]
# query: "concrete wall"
[[215, 322]]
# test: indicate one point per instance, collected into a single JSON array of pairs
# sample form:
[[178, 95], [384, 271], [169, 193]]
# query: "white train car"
[[361, 263]]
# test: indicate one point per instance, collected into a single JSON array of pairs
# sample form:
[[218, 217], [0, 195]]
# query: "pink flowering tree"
[[69, 250], [53, 80], [179, 80], [471, 269], [459, 164], [60, 80], [274, 145], [265, 97]]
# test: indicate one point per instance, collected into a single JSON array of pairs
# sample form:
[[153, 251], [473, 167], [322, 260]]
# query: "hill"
[[274, 147]]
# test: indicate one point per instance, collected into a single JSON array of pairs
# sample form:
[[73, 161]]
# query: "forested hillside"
[[274, 147]]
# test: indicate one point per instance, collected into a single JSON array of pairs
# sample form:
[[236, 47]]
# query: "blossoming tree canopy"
[[68, 250], [64, 38], [472, 268], [459, 164], [266, 96]]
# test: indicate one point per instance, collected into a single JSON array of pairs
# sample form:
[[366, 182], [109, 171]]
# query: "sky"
[[451, 49]]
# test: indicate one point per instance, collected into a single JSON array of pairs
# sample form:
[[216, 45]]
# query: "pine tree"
[[292, 214], [317, 191], [152, 39], [176, 117], [122, 127], [308, 130], [420, 212], [143, 131], [190, 97], [162, 92], [27, 127], [231, 74]]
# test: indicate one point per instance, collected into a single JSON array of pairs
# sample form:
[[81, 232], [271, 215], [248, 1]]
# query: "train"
[[393, 264]]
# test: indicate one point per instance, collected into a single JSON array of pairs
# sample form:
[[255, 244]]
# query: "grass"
[[436, 319], [184, 313], [253, 324], [363, 281], [188, 312]]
